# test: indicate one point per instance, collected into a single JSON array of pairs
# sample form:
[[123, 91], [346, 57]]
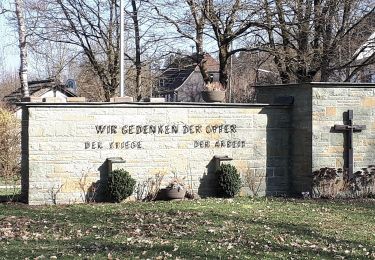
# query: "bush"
[[120, 185], [229, 180], [10, 146], [332, 183]]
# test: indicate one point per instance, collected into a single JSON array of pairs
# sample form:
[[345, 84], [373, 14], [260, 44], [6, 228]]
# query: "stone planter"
[[171, 194], [213, 95]]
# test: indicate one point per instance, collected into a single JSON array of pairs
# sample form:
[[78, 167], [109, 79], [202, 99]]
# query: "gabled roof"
[[37, 89], [173, 77], [179, 71], [366, 49], [211, 64]]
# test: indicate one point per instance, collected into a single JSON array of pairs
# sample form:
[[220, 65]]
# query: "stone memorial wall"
[[292, 131], [330, 107], [317, 108], [66, 146]]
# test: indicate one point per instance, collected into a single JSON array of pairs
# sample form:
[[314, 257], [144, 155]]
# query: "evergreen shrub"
[[229, 181], [120, 185]]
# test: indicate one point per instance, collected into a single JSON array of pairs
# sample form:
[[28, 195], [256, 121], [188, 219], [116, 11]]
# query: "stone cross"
[[349, 129]]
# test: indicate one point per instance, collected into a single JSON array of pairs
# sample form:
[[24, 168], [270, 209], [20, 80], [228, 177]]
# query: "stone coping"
[[321, 85], [146, 104]]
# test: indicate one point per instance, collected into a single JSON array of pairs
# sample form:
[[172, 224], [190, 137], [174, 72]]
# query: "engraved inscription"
[[167, 129]]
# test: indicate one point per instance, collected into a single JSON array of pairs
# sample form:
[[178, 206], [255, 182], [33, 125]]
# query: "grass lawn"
[[242, 228], [9, 191]]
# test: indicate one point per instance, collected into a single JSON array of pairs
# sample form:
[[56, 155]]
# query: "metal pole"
[[230, 76], [122, 48]]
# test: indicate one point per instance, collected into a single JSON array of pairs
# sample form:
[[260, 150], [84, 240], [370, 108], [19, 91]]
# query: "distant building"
[[41, 89], [367, 50], [182, 81]]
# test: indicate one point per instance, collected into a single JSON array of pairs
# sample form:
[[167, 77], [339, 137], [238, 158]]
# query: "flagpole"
[[122, 48]]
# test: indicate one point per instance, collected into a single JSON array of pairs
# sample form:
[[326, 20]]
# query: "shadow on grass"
[[301, 232], [187, 249], [359, 204], [81, 248], [162, 222], [259, 246], [10, 198]]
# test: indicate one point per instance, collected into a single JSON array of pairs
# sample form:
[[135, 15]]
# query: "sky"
[[9, 54]]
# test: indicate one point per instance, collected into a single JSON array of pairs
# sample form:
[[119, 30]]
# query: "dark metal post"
[[350, 144]]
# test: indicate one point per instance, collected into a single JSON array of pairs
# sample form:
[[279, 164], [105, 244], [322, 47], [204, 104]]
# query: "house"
[[366, 53], [41, 89], [182, 81]]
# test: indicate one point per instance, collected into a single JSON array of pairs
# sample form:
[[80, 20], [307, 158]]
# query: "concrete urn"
[[213, 95], [171, 194]]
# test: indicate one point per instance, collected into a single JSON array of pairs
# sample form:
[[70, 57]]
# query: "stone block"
[[368, 102], [75, 99], [54, 100], [340, 163], [115, 163], [334, 150], [331, 111], [337, 139], [122, 99], [154, 100], [32, 99]]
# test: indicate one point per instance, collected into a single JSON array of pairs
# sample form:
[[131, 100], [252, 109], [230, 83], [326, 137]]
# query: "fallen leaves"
[[272, 228], [17, 227]]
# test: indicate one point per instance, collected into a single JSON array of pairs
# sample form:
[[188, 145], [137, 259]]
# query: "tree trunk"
[[80, 27], [200, 53], [223, 58], [22, 47], [138, 63]]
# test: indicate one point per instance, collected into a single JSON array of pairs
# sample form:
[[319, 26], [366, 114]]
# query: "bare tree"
[[89, 83], [250, 69], [9, 82], [231, 20], [50, 59], [147, 41], [222, 21], [305, 36], [199, 25], [143, 37], [137, 41], [190, 23], [22, 46], [2, 9], [90, 28]]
